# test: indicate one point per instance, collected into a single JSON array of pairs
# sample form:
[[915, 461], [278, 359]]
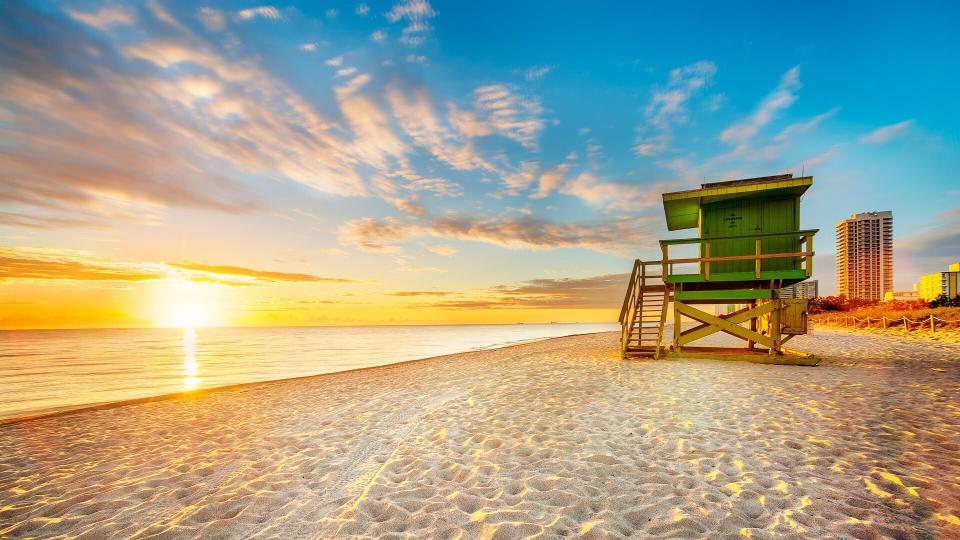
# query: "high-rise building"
[[804, 289], [865, 255]]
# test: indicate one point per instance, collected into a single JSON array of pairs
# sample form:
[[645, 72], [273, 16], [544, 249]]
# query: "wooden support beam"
[[718, 324], [706, 267], [756, 263]]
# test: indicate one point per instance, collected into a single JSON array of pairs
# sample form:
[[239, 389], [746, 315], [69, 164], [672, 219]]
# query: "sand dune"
[[554, 438]]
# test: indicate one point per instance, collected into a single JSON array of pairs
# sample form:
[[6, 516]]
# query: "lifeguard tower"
[[749, 245]]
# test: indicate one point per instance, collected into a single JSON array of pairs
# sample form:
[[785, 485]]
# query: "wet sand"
[[552, 438]]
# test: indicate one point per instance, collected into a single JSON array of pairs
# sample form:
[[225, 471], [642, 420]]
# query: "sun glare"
[[185, 305]]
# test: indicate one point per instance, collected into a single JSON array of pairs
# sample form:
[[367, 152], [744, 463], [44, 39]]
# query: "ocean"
[[43, 371]]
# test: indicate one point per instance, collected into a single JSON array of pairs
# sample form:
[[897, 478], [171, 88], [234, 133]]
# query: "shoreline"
[[104, 405]]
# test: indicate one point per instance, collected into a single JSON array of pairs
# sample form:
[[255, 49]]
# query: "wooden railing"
[[805, 238]]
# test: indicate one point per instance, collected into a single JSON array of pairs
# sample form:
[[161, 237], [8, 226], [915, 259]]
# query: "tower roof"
[[682, 208]]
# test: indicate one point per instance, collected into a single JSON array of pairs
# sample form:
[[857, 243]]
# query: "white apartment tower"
[[865, 255]]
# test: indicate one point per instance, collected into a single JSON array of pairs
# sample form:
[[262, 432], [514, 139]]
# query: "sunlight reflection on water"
[[41, 370], [190, 379]]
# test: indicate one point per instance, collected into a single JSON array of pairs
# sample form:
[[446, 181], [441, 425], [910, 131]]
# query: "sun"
[[182, 304], [189, 315]]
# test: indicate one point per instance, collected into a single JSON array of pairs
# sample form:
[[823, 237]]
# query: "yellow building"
[[937, 283]]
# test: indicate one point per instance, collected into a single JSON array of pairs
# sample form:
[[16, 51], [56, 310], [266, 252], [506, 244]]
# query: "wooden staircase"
[[644, 311]]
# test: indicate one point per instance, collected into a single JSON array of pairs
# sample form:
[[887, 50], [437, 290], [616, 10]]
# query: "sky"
[[410, 162]]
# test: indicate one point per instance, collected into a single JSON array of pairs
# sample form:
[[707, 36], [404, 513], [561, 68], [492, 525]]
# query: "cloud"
[[498, 110], [536, 73], [362, 9], [781, 98], [520, 179], [550, 179], [345, 72], [619, 235], [417, 118], [267, 12], [100, 134], [258, 276], [72, 265], [442, 249], [886, 133], [336, 61], [929, 248], [421, 293], [46, 264], [415, 13], [308, 47], [104, 18], [800, 128], [212, 19], [594, 292], [378, 35], [374, 236], [614, 195], [161, 13], [668, 106]]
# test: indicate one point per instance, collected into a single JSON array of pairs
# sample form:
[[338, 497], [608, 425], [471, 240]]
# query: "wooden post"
[[676, 325], [905, 324], [884, 319], [756, 268], [775, 327], [809, 250], [706, 268], [932, 328], [663, 250], [753, 326]]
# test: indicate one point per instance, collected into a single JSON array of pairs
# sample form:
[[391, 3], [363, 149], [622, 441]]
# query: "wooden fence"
[[885, 322]]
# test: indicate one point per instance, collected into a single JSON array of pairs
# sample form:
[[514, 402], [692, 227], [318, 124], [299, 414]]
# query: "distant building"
[[804, 289], [937, 283], [902, 296], [865, 255]]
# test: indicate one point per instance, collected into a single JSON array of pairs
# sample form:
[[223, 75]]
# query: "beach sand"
[[553, 438]]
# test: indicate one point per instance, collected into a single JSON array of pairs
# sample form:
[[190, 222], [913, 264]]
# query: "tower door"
[[726, 226], [779, 216]]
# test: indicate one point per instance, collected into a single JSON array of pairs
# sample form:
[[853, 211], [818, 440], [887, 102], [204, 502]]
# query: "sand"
[[553, 438]]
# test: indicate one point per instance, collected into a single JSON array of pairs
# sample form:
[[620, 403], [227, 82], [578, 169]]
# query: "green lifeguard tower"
[[749, 245]]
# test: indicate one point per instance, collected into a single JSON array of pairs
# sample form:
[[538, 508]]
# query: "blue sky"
[[503, 155]]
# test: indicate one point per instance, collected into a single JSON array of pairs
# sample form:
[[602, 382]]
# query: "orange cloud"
[[47, 264], [257, 275]]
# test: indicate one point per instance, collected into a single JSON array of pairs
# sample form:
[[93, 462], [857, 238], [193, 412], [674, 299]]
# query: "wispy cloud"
[[442, 249], [499, 110], [105, 17], [550, 179], [594, 292], [421, 293], [415, 13], [259, 276], [668, 106], [781, 98], [212, 19], [886, 133], [535, 73], [72, 265], [618, 235], [615, 195], [266, 12], [800, 128]]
